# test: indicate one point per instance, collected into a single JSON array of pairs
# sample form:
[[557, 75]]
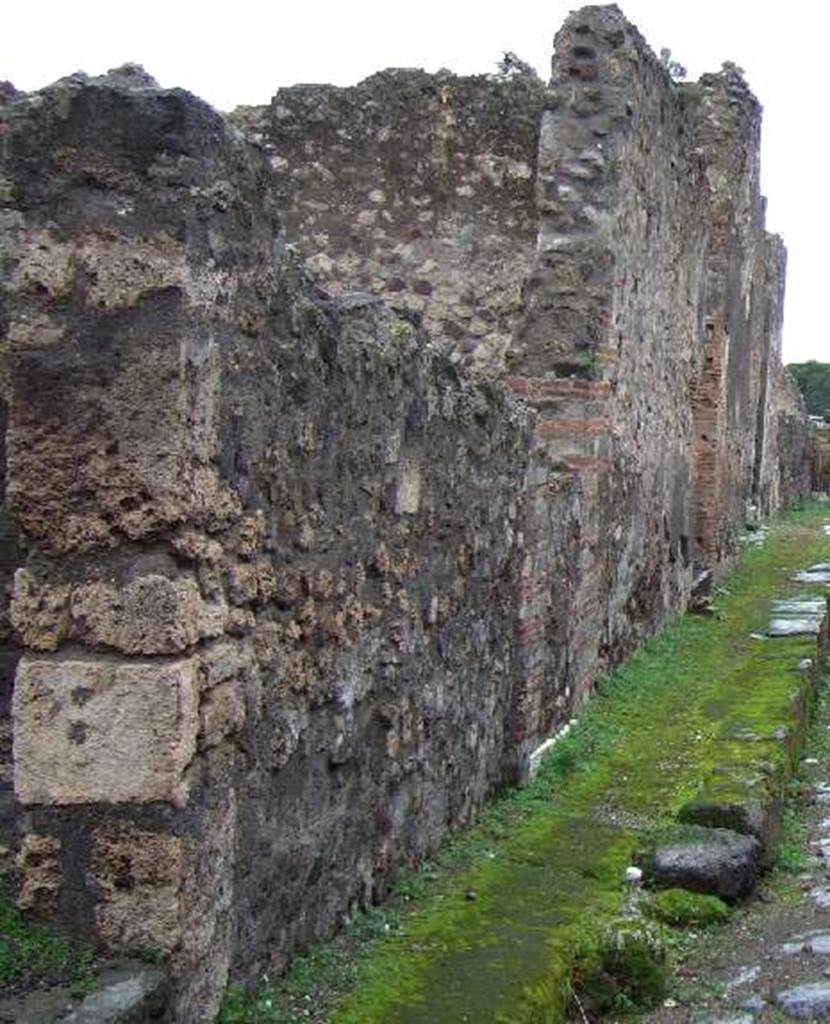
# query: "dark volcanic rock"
[[129, 997], [723, 863]]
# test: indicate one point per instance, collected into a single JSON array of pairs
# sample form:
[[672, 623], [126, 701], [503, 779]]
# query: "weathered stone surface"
[[821, 897], [89, 731], [730, 1018], [39, 870], [131, 993], [820, 458], [425, 198], [39, 614], [805, 1002], [139, 876], [817, 943], [794, 627], [817, 574], [128, 996], [799, 607], [149, 615], [724, 863]]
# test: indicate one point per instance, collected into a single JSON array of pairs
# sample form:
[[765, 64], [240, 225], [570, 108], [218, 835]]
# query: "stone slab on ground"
[[722, 863], [815, 574], [794, 627], [131, 997], [134, 993], [805, 1002], [798, 607], [741, 1018], [817, 943]]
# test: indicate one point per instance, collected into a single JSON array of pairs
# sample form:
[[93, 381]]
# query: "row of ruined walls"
[[821, 456], [349, 441]]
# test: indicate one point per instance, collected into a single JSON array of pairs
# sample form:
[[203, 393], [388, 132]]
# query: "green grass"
[[691, 721], [32, 953]]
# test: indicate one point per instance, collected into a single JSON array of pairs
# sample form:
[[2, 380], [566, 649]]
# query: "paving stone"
[[817, 943], [815, 574], [823, 846], [820, 944], [738, 1018], [794, 627], [805, 1002], [807, 607]]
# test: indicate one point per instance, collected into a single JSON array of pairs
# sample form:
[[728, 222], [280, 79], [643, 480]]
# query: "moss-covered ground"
[[32, 955], [707, 711]]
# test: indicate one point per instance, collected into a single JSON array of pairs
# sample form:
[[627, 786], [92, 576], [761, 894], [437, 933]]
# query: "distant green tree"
[[813, 379]]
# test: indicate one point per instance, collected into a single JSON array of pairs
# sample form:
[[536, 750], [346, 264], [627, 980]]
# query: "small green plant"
[[793, 859], [401, 329], [590, 361]]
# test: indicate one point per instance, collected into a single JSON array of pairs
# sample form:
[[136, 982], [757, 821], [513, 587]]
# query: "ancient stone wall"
[[274, 546], [416, 188], [742, 310], [820, 457], [296, 589], [611, 308]]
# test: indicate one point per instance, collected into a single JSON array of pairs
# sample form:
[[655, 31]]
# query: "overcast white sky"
[[241, 52]]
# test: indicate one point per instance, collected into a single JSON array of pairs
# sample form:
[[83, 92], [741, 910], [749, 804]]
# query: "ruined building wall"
[[795, 441], [269, 599], [416, 188], [612, 307], [820, 457], [743, 385], [296, 589]]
